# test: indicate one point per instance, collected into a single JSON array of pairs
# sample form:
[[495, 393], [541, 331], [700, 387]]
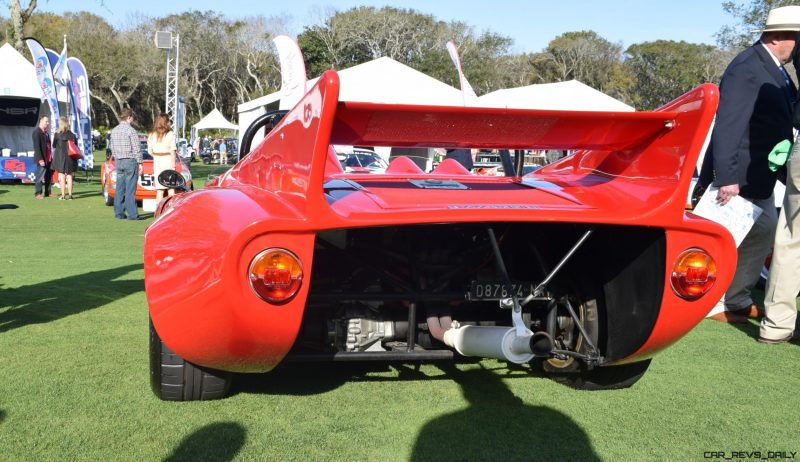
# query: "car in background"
[[186, 150], [362, 161], [146, 182], [211, 154]]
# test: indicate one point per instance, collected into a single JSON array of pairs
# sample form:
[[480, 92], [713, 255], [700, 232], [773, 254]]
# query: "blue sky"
[[530, 23]]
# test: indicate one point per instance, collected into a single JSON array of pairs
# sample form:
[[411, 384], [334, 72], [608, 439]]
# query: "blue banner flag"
[[44, 74], [79, 85]]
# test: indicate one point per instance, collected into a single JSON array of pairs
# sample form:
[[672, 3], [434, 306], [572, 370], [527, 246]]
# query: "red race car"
[[585, 268], [146, 182]]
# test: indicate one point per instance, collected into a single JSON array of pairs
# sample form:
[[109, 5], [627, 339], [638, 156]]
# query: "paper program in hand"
[[738, 215]]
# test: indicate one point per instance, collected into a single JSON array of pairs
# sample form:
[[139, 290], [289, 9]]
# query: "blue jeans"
[[43, 175], [125, 196]]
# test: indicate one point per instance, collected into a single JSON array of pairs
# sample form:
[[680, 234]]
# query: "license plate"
[[480, 290]]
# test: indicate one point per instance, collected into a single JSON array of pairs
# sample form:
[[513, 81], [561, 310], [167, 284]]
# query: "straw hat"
[[785, 18]]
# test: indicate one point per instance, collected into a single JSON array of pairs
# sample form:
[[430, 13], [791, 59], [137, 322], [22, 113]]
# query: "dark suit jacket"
[[754, 115], [39, 145]]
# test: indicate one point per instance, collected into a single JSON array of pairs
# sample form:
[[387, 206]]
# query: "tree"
[[365, 33], [418, 40], [589, 58], [666, 69], [751, 15], [19, 17]]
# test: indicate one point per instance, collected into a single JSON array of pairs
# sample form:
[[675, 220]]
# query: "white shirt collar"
[[777, 62]]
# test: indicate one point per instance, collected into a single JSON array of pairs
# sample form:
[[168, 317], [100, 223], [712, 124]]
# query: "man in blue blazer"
[[755, 113]]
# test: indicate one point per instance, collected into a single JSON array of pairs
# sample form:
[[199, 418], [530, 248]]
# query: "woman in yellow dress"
[[161, 145]]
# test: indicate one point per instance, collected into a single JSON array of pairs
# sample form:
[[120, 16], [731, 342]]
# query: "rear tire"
[[174, 379], [573, 372], [607, 377]]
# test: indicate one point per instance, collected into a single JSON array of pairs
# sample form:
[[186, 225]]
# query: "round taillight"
[[693, 274], [276, 275]]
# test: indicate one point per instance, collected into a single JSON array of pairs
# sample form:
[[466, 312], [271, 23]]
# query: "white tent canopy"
[[381, 80], [571, 95], [19, 88], [18, 77], [214, 120]]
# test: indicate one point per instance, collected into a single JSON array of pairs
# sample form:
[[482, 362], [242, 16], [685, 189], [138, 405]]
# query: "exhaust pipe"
[[541, 344], [498, 342]]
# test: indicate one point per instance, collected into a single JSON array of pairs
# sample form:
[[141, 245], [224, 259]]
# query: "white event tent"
[[570, 95], [20, 101], [214, 120], [381, 80]]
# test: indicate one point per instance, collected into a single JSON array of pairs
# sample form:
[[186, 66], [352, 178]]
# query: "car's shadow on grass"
[[51, 300], [310, 378], [2, 415], [497, 425], [216, 442]]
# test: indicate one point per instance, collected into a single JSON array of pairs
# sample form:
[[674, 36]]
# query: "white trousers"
[[783, 284]]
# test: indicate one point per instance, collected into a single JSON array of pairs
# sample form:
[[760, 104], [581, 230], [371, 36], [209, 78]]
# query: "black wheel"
[[107, 197], [609, 377], [173, 379], [206, 160], [575, 373]]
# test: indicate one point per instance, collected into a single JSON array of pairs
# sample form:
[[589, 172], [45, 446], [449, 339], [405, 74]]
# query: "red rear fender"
[[200, 298]]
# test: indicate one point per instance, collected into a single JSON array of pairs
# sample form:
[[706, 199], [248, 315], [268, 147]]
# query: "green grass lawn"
[[74, 378]]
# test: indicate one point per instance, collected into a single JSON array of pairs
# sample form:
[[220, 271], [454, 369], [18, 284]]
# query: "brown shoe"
[[752, 311], [729, 317], [770, 341]]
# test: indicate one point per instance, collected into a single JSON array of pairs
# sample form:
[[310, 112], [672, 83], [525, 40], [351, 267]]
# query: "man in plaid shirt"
[[127, 158]]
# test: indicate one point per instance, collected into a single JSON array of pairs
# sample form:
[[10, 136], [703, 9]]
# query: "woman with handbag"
[[161, 145], [63, 161]]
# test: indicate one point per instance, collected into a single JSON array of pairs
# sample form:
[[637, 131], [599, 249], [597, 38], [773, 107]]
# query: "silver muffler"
[[503, 343]]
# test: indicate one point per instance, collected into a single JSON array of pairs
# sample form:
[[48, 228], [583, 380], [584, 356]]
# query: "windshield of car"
[[368, 160]]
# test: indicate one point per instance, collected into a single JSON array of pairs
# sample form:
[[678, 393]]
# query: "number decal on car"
[[146, 181]]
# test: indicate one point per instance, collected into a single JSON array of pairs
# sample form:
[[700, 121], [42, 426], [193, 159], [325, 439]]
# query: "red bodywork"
[[631, 170]]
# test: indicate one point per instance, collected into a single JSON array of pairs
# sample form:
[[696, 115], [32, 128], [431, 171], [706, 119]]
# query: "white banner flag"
[[470, 98], [293, 71]]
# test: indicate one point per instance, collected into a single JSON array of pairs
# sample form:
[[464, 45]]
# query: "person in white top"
[[161, 145]]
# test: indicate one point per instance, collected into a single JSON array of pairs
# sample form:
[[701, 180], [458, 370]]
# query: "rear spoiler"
[[291, 160]]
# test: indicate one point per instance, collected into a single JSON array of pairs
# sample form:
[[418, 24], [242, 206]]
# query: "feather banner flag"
[[293, 71], [470, 98], [60, 73], [79, 86], [44, 74]]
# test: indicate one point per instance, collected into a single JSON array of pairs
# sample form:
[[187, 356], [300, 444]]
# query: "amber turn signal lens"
[[276, 275], [693, 274]]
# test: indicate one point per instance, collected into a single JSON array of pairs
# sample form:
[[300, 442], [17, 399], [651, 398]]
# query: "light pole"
[[165, 40]]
